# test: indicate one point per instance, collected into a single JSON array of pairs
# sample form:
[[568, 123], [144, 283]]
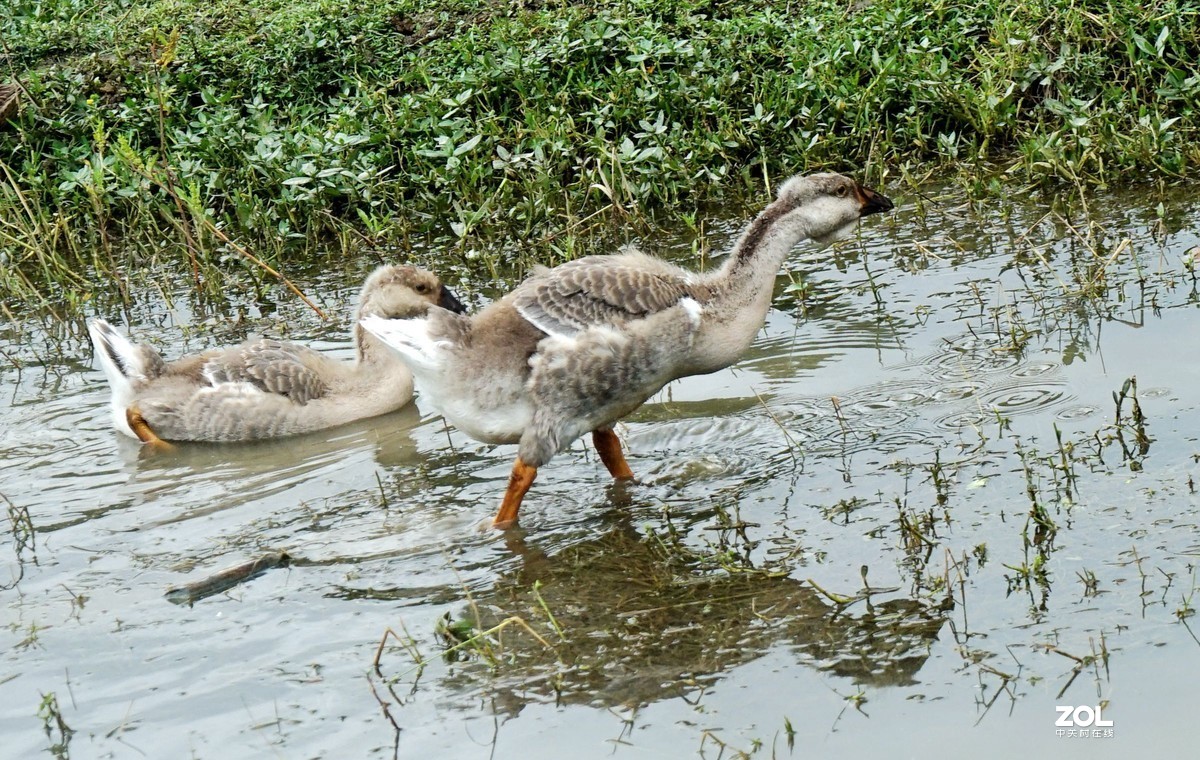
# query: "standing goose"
[[575, 348], [267, 388]]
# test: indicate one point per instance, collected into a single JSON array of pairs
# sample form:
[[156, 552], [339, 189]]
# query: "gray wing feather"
[[598, 290], [271, 365]]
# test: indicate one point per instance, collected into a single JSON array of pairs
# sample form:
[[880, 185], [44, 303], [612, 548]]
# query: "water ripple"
[[1077, 413], [1026, 397]]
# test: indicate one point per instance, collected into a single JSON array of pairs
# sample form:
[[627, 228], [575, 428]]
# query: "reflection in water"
[[632, 620], [207, 478], [386, 438]]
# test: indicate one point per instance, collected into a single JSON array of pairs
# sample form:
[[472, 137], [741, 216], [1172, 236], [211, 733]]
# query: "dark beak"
[[448, 301], [873, 202]]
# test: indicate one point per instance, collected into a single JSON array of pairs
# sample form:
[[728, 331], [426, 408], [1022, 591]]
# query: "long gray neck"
[[737, 296], [367, 347], [750, 270]]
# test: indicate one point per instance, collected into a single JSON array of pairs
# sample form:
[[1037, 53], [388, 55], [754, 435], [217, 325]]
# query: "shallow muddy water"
[[937, 424]]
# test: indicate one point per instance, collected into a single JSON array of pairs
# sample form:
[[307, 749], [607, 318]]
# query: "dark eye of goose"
[[422, 288], [841, 191]]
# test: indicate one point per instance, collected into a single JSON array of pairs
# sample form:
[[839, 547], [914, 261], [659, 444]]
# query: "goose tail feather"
[[125, 364]]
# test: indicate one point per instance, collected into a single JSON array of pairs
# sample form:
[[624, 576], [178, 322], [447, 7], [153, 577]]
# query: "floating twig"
[[189, 593]]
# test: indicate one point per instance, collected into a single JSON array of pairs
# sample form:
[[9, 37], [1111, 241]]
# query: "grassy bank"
[[192, 134]]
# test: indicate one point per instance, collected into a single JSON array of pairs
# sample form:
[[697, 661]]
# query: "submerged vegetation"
[[203, 136]]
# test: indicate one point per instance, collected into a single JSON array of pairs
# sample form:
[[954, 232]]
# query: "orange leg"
[[609, 447], [141, 428], [518, 484]]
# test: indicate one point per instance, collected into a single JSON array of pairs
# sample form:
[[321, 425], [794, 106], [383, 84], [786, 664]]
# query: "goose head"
[[400, 292], [397, 292], [826, 207]]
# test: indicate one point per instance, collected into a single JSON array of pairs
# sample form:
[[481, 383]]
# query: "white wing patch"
[[409, 338], [693, 309]]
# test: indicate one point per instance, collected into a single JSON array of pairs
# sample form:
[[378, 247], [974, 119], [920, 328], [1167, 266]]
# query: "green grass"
[[312, 130]]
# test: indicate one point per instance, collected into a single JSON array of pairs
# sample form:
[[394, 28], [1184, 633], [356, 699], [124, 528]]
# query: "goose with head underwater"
[[575, 348], [267, 388]]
